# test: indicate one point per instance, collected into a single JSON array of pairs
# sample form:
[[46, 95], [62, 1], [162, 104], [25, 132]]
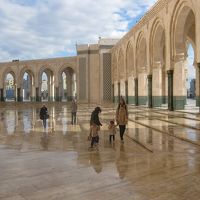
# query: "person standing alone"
[[122, 117], [44, 115], [73, 111]]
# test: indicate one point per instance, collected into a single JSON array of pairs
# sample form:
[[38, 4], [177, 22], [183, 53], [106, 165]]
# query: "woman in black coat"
[[44, 115]]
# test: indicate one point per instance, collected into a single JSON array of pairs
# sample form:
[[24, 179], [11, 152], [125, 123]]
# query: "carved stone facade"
[[88, 75], [152, 56], [147, 66]]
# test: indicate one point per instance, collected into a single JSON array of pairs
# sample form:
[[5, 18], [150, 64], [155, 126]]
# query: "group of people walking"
[[95, 124], [121, 120]]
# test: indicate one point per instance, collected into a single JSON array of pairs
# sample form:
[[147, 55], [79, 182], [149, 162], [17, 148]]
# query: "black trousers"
[[122, 129], [112, 137], [73, 118], [94, 140], [44, 122]]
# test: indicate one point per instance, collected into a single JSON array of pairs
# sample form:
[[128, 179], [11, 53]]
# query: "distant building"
[[192, 89], [26, 88]]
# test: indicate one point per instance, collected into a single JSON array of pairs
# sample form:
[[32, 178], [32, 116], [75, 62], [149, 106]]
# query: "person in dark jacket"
[[73, 111], [95, 126], [44, 115]]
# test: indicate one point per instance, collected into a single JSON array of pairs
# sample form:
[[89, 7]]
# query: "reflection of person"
[[122, 117], [44, 141], [95, 126], [44, 115], [74, 111], [112, 130], [122, 162], [95, 161]]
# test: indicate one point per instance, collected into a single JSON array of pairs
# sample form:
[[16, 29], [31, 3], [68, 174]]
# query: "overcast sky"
[[33, 29]]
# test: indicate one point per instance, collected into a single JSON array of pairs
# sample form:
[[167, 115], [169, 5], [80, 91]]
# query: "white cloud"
[[32, 29]]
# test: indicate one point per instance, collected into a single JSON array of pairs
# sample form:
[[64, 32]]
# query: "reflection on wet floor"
[[155, 163]]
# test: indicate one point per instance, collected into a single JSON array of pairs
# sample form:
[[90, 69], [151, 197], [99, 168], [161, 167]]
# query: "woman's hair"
[[98, 109], [112, 122], [123, 103]]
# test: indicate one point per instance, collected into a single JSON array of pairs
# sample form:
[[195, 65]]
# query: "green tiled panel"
[[116, 99], [38, 99], [179, 102], [164, 100], [58, 98], [33, 99], [197, 100], [157, 101], [131, 100], [142, 100]]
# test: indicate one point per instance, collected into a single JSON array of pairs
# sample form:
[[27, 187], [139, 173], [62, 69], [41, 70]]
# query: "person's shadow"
[[122, 162], [44, 141]]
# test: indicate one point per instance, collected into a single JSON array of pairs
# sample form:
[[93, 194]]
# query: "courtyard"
[[159, 160]]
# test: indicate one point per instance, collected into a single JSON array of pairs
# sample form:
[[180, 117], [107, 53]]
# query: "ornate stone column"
[[2, 94], [136, 91], [170, 89], [57, 94], [149, 78], [38, 98], [113, 93], [126, 91], [118, 91], [198, 87], [142, 87], [131, 90], [19, 98]]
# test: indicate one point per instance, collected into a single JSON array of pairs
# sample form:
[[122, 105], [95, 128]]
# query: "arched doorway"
[[121, 74], [10, 87], [130, 92], [68, 84], [27, 86], [141, 64], [183, 33], [158, 65], [47, 85], [190, 79], [44, 87]]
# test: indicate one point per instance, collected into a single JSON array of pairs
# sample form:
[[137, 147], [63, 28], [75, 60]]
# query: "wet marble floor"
[[160, 159]]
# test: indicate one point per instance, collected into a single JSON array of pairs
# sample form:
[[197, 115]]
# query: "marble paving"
[[56, 164]]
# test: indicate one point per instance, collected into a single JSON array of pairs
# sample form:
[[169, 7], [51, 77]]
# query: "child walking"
[[112, 130]]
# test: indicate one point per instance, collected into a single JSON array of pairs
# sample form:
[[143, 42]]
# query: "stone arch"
[[182, 31], [182, 28], [70, 83], [51, 76], [141, 53], [29, 71], [114, 67], [5, 73], [141, 69], [157, 64], [121, 64], [157, 43], [129, 59]]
